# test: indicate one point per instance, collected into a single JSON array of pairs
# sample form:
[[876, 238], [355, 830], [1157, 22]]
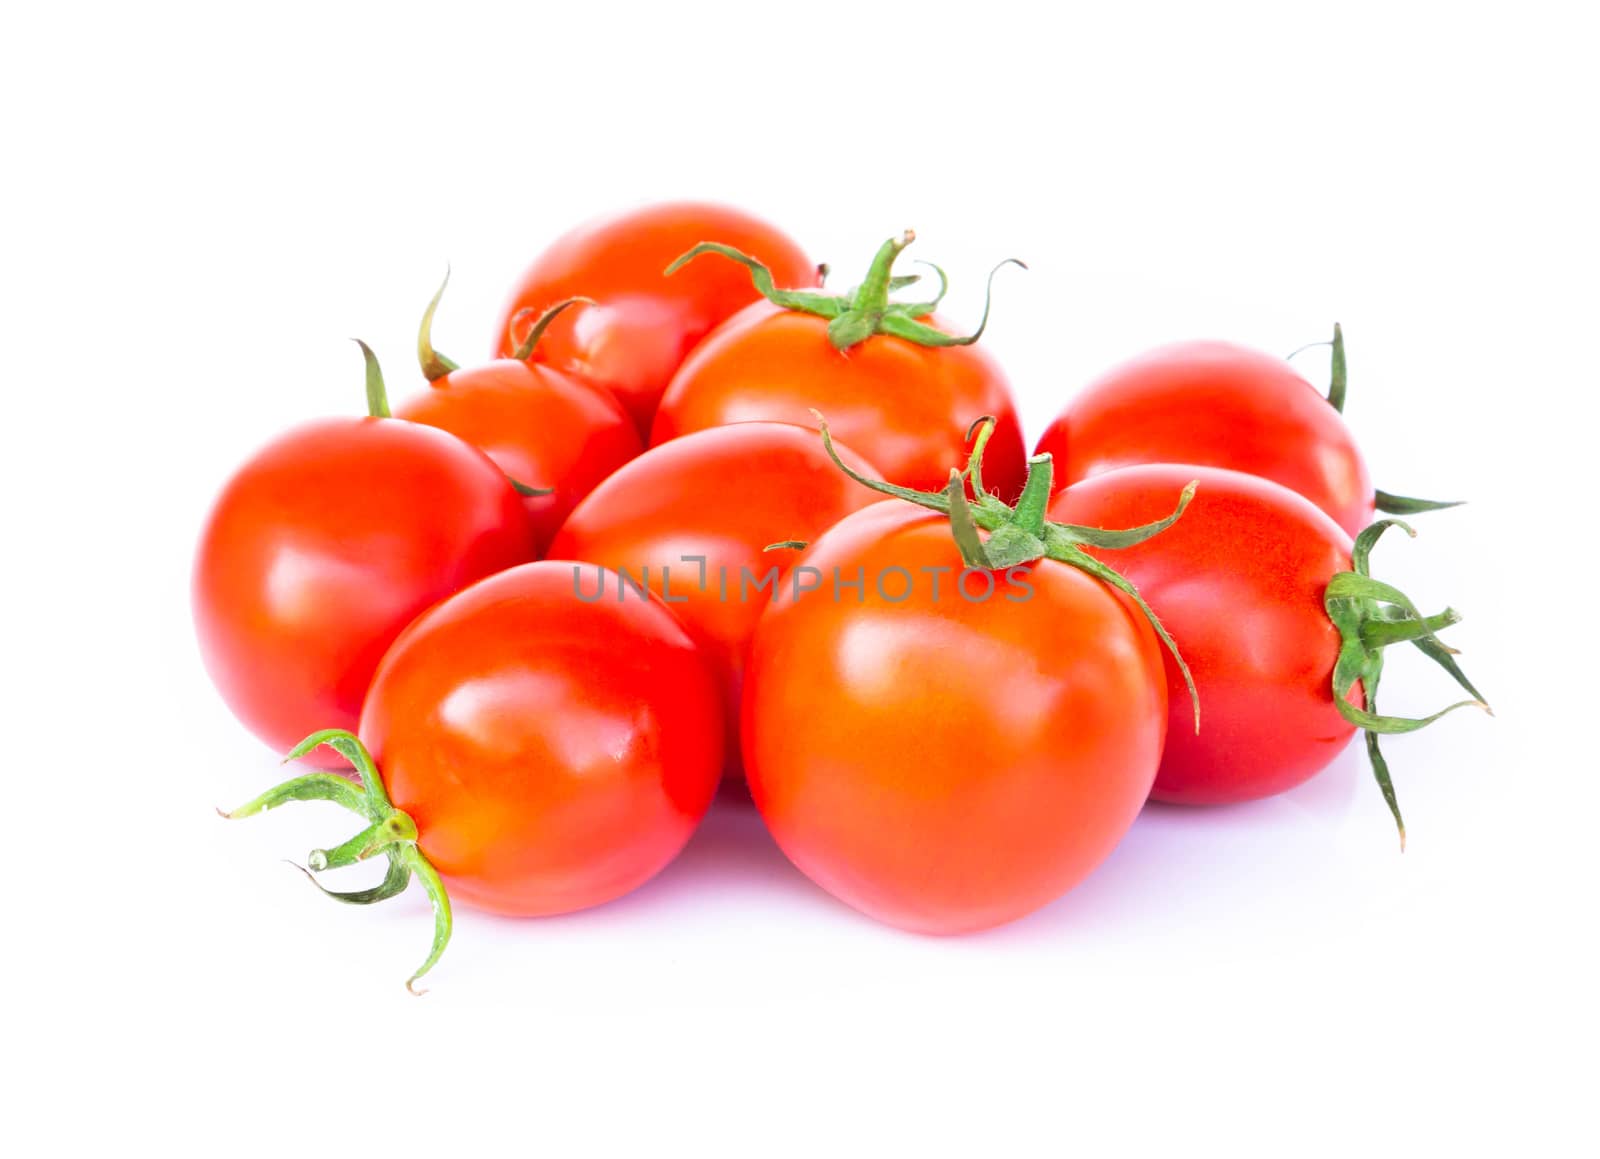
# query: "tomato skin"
[[1238, 581], [643, 323], [1218, 405], [544, 429], [904, 408], [323, 546], [725, 494], [945, 765], [553, 754]]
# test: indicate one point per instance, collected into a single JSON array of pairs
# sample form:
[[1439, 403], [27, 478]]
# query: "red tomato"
[[1249, 582], [1216, 405], [547, 430], [946, 763], [554, 754], [524, 751], [643, 324], [1239, 582], [324, 546], [722, 495], [903, 405]]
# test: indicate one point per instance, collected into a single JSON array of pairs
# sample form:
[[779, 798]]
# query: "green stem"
[[377, 396], [866, 310], [1339, 377], [1370, 616], [391, 833], [434, 365], [525, 351]]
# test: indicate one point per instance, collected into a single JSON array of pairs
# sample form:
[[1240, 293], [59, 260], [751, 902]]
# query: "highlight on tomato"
[[642, 324], [691, 521], [1281, 622], [325, 544], [1216, 404], [554, 435], [898, 383], [524, 752], [961, 712]]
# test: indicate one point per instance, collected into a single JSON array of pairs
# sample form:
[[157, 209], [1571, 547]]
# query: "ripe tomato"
[[894, 382], [690, 519], [643, 324], [1242, 582], [945, 731], [549, 431], [1218, 405], [529, 753], [942, 763], [324, 545]]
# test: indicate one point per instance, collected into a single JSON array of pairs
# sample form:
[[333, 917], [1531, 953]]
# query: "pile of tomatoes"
[[704, 521]]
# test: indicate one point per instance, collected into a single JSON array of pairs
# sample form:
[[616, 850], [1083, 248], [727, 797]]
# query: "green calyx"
[[1021, 534], [389, 832], [1338, 381], [858, 314], [1371, 615]]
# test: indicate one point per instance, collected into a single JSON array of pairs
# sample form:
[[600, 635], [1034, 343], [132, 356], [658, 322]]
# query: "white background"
[[203, 204]]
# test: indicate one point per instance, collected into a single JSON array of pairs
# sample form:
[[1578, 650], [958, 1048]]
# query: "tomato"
[[1242, 582], [530, 753], [1218, 405], [547, 430], [643, 324], [690, 519], [941, 742], [893, 381], [324, 545]]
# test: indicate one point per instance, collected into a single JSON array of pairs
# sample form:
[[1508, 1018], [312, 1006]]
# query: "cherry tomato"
[[1218, 405], [324, 545], [690, 519], [547, 430], [525, 752], [903, 396], [940, 761], [643, 324], [554, 754], [1239, 583]]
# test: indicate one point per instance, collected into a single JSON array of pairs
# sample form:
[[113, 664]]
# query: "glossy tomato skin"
[[554, 754], [945, 765], [324, 546], [544, 429], [724, 495], [904, 408], [1217, 405], [644, 323], [1238, 581]]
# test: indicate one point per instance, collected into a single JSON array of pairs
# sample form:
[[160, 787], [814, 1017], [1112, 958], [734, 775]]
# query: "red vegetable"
[[642, 324], [1280, 623], [538, 754], [947, 758], [690, 521], [325, 545], [1219, 405], [556, 436], [896, 384]]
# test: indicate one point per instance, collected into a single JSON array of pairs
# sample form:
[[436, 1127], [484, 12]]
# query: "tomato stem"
[[377, 395], [434, 365], [1370, 615], [866, 310], [541, 324], [390, 832]]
